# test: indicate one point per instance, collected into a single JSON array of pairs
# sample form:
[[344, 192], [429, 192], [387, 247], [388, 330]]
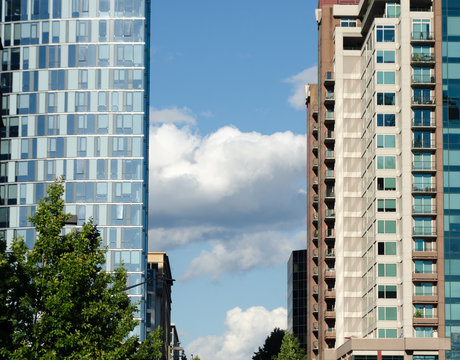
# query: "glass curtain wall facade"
[[451, 147], [75, 103]]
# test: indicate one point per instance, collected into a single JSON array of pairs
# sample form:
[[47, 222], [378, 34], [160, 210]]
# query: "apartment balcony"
[[424, 124], [329, 118], [329, 214], [329, 79], [329, 99], [420, 231], [329, 254], [425, 145], [329, 274], [329, 196], [421, 189], [329, 314], [315, 272], [425, 321], [315, 290], [315, 164], [422, 38], [329, 156], [423, 59], [315, 235], [329, 175], [423, 102], [329, 294], [314, 182], [329, 235], [315, 253], [424, 255], [314, 110], [314, 130], [315, 199], [315, 345], [315, 309], [315, 327], [418, 276], [329, 136], [423, 80], [329, 334], [314, 146], [424, 167], [424, 210]]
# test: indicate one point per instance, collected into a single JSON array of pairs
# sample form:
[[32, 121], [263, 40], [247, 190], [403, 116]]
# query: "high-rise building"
[[297, 296], [383, 129], [75, 79]]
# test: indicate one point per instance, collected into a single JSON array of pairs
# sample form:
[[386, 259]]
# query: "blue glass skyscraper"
[[75, 103]]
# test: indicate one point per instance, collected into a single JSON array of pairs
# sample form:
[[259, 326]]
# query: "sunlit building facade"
[[75, 98], [383, 126]]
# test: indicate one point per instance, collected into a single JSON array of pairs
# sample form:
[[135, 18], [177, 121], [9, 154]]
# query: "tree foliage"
[[271, 346], [57, 302], [290, 349]]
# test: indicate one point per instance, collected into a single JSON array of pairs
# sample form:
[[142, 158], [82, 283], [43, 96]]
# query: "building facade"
[[297, 296], [75, 99], [382, 121]]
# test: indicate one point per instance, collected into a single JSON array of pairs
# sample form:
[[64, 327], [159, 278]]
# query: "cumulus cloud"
[[245, 252], [172, 116], [246, 331], [228, 178], [297, 98]]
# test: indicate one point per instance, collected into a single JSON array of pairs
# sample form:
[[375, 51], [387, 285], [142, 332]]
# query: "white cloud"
[[245, 252], [228, 178], [172, 116], [247, 331], [307, 76]]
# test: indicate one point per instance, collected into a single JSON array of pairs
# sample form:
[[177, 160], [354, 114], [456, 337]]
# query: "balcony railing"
[[422, 36], [421, 188], [423, 79], [329, 294], [329, 116], [329, 155], [329, 77], [329, 254], [423, 123], [424, 166], [424, 144], [329, 174], [423, 58], [424, 231], [329, 135], [329, 333], [423, 101], [329, 213], [424, 209]]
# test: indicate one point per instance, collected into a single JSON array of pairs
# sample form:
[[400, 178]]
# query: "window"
[[385, 56], [387, 248], [423, 332], [386, 227], [386, 98], [387, 270], [388, 333], [348, 22], [385, 33], [422, 205], [386, 120], [386, 205], [423, 311], [393, 10], [424, 288], [421, 29], [423, 226], [423, 266], [386, 162], [386, 141], [387, 292], [386, 77], [386, 184], [423, 245], [387, 313]]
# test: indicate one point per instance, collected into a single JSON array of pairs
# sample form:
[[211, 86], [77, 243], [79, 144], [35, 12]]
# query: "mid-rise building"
[[75, 80], [297, 296], [383, 132]]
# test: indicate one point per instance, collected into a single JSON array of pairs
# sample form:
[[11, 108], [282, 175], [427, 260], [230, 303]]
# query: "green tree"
[[150, 349], [71, 308], [271, 346], [290, 349]]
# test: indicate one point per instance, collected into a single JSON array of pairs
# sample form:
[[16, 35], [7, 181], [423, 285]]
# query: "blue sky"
[[227, 167]]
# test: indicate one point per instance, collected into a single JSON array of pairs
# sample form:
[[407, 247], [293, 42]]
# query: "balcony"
[[315, 199], [314, 182], [329, 214], [329, 234], [424, 189], [314, 110], [330, 195], [329, 156], [315, 290], [423, 59], [421, 80], [315, 254], [315, 163], [329, 254], [314, 130], [329, 98], [314, 146], [329, 136], [418, 276], [329, 274], [329, 294], [423, 101], [315, 345], [419, 144], [424, 166], [425, 321], [422, 38], [425, 299], [330, 314], [329, 118], [315, 235], [315, 308], [329, 175], [427, 210], [329, 79], [421, 231], [315, 272], [329, 334], [315, 326], [424, 124]]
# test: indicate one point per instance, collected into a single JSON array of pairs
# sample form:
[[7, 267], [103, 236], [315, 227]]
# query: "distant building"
[[159, 297], [176, 352], [297, 295]]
